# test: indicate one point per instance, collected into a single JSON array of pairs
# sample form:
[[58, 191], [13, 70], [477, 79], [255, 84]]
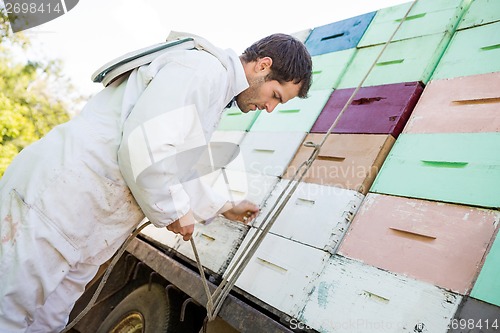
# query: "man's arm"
[[168, 119]]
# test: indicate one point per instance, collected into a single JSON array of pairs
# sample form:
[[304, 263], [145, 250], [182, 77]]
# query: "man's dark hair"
[[291, 60]]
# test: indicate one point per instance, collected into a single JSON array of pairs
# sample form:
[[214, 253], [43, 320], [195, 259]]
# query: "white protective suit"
[[68, 201]]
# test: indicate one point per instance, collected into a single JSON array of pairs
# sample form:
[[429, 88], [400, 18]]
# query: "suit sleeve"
[[162, 138]]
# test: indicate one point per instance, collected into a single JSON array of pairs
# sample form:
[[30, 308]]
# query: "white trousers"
[[38, 287]]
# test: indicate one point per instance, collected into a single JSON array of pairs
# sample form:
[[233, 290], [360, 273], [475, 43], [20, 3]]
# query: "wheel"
[[144, 310]]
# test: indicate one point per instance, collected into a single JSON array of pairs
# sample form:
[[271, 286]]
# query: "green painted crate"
[[328, 68], [235, 120], [487, 286], [471, 51], [407, 60], [454, 167], [297, 115], [427, 17], [481, 12]]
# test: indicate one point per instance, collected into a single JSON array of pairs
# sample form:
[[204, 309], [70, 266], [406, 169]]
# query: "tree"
[[33, 95]]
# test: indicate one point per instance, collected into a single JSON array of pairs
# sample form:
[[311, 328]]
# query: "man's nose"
[[270, 106]]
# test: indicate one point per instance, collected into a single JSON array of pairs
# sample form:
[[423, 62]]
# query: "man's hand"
[[183, 226], [245, 212]]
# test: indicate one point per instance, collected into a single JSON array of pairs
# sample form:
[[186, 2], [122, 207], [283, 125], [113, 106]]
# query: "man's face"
[[262, 94]]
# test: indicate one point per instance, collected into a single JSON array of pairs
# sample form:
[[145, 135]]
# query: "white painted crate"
[[268, 153], [280, 272], [228, 136], [163, 236], [216, 243], [316, 215], [239, 185], [353, 297]]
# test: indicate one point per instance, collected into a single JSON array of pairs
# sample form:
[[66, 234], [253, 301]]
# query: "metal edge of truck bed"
[[235, 312]]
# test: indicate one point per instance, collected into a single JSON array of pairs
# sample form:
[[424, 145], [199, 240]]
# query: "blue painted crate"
[[339, 35]]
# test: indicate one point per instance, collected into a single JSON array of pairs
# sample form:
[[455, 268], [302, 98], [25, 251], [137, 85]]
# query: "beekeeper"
[[68, 201]]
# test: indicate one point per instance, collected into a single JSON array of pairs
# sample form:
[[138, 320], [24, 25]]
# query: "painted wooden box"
[[475, 316], [234, 120], [215, 242], [338, 36], [382, 109], [267, 153], [439, 243], [349, 161], [480, 12], [302, 34], [352, 297], [450, 167], [427, 17], [328, 68], [298, 114], [165, 238], [238, 185], [487, 286], [232, 136], [466, 104], [280, 271], [471, 51], [315, 215], [407, 60]]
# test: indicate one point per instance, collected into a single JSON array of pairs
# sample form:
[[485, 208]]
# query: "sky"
[[97, 31]]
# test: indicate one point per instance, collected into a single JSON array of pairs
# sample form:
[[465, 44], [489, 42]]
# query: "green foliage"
[[34, 96]]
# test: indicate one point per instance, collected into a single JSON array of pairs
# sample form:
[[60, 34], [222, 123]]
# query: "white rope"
[[105, 277], [217, 299]]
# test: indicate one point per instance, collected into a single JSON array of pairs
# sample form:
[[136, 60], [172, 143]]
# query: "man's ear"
[[263, 65]]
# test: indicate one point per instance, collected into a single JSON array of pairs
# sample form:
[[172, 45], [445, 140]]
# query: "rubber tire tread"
[[153, 303]]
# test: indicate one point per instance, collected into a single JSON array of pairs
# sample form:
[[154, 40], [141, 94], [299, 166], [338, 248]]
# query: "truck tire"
[[146, 309]]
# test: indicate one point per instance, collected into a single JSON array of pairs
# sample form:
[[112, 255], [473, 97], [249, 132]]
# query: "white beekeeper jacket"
[[93, 178]]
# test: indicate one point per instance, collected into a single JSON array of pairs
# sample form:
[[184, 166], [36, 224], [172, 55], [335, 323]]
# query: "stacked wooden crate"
[[392, 227], [432, 212], [310, 227], [353, 294]]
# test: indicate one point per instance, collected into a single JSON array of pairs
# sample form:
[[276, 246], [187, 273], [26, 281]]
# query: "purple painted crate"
[[382, 109]]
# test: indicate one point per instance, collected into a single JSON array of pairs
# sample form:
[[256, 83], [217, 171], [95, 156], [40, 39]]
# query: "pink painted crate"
[[431, 241], [467, 104]]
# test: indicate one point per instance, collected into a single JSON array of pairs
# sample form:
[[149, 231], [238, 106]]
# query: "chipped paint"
[[324, 293]]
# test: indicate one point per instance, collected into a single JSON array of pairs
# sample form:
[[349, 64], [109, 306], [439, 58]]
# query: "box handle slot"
[[366, 100], [422, 235], [210, 238], [290, 111], [333, 36], [390, 62], [304, 202], [264, 151], [491, 47], [412, 17], [492, 100], [272, 266], [445, 164], [330, 158], [237, 192], [375, 297]]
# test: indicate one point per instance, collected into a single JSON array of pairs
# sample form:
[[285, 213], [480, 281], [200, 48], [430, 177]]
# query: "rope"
[[105, 277], [216, 300]]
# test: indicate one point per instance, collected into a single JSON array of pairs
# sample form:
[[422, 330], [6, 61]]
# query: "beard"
[[248, 99]]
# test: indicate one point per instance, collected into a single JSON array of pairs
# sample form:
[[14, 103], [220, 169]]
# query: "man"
[[69, 201]]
